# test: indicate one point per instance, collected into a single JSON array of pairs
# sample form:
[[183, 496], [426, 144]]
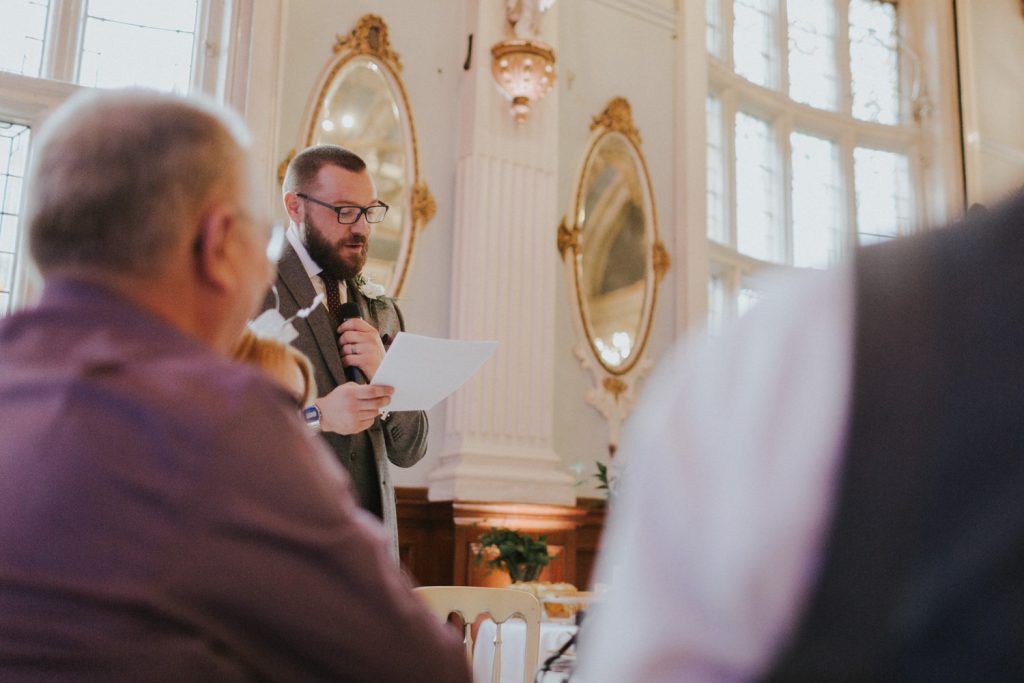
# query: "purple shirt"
[[165, 514]]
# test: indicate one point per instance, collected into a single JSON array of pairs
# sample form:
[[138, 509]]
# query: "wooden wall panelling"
[[437, 540], [588, 539], [425, 537]]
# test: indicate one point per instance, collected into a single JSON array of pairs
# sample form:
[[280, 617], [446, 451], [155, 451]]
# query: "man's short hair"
[[303, 168], [116, 174]]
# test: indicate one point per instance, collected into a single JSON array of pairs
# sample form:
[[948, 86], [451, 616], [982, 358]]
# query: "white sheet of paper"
[[426, 370]]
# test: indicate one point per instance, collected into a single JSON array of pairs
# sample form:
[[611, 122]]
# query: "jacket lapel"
[[293, 276], [356, 296]]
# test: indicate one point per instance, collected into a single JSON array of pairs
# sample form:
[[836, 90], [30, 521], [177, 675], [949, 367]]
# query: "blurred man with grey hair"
[[164, 513]]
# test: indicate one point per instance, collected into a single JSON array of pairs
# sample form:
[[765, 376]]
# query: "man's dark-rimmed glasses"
[[349, 214]]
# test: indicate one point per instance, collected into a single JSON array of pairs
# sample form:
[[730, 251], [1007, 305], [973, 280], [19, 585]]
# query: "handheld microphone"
[[349, 309]]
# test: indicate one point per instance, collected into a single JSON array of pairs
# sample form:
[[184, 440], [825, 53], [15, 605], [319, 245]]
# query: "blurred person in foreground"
[[332, 206], [832, 491], [164, 512]]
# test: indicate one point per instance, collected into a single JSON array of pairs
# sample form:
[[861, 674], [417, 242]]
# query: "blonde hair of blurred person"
[[169, 223], [283, 362]]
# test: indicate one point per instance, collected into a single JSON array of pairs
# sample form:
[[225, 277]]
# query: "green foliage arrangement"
[[520, 554], [602, 477]]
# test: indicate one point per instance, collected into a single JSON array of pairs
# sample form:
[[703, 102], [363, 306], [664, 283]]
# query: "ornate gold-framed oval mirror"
[[360, 103], [614, 260]]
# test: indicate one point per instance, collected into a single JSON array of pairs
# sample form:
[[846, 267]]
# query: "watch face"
[[312, 416]]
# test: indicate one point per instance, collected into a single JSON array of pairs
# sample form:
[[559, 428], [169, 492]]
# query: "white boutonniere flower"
[[373, 292]]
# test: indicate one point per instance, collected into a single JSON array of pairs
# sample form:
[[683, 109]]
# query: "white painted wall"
[[991, 37]]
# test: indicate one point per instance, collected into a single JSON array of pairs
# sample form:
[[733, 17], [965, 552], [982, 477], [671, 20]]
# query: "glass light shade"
[[524, 71]]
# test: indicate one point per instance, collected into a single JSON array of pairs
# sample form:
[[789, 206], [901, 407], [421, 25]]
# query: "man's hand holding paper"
[[351, 408]]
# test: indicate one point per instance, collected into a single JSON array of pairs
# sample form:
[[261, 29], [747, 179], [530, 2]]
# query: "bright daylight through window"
[[809, 149], [127, 42], [49, 44], [13, 156]]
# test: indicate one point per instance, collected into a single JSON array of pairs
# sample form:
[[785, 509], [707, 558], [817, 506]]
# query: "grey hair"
[[307, 163], [117, 174]]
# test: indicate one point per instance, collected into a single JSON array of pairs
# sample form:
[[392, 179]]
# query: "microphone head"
[[347, 310]]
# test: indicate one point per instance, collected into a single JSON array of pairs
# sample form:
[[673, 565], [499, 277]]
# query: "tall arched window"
[[815, 136]]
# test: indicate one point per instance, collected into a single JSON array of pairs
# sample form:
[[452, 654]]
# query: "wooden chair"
[[501, 604]]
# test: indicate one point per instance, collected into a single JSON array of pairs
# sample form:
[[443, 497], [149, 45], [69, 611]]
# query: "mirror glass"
[[360, 111], [613, 248]]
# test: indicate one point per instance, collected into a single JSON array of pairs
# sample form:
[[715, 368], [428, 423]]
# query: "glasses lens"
[[275, 245], [375, 214], [348, 214]]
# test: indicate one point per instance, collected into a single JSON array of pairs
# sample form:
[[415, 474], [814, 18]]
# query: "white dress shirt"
[[727, 469]]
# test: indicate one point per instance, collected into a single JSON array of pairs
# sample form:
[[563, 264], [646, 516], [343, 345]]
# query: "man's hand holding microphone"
[[352, 407]]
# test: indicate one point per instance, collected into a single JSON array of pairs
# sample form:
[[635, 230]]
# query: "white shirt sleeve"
[[727, 469]]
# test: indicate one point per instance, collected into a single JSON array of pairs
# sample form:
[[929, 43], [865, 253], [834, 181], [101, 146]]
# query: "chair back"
[[501, 604]]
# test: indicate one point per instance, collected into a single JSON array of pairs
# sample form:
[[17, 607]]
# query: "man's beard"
[[326, 254]]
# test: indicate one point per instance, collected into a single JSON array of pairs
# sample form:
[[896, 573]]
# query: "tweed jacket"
[[401, 439]]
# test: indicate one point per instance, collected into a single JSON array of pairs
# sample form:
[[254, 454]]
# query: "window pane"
[[882, 182], [170, 15], [713, 17], [13, 157], [716, 173], [716, 303], [812, 52], [753, 40], [134, 42], [816, 218], [757, 229], [874, 61], [22, 34]]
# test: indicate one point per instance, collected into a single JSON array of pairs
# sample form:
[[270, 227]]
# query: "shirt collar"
[[311, 267]]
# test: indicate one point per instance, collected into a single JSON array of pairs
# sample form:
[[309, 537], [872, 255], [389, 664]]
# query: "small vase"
[[521, 573]]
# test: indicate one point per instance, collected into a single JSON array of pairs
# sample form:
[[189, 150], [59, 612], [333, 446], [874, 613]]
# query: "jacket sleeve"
[[405, 434]]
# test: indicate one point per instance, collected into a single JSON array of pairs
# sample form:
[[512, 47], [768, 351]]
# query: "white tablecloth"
[[553, 634]]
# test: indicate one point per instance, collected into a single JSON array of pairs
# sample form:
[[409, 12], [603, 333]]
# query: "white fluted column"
[[498, 431]]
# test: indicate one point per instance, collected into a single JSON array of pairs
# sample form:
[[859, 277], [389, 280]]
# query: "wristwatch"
[[312, 415]]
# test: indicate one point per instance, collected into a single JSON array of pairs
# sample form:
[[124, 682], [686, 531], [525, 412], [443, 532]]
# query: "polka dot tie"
[[333, 297]]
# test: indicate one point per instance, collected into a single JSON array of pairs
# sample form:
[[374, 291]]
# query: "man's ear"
[[212, 247], [293, 205]]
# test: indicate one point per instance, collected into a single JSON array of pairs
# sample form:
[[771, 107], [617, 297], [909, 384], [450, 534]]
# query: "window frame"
[[910, 137], [220, 70], [65, 33]]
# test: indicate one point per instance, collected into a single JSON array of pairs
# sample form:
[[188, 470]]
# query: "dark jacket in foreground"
[[923, 578]]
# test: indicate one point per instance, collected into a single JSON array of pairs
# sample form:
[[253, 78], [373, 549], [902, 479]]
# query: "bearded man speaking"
[[332, 205]]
